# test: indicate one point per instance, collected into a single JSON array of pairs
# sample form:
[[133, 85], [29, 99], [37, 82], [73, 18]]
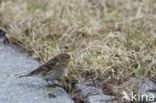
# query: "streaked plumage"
[[53, 69]]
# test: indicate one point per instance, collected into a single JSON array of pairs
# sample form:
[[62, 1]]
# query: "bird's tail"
[[24, 76]]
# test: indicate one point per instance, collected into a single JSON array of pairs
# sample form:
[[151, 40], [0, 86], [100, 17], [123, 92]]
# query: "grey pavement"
[[15, 62]]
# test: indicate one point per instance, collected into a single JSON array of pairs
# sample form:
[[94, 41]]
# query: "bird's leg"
[[53, 84], [50, 85], [48, 82]]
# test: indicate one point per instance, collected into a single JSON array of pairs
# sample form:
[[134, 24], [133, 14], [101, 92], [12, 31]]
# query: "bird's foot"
[[53, 84], [57, 85]]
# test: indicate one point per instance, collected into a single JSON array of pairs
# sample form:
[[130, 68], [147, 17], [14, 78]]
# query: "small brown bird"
[[53, 69]]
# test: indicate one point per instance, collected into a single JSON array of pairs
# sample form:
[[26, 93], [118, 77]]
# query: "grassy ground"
[[106, 38]]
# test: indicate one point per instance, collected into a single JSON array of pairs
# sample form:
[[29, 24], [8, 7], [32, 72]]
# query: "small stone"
[[91, 94]]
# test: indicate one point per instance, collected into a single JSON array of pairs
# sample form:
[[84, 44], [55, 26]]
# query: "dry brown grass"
[[106, 38]]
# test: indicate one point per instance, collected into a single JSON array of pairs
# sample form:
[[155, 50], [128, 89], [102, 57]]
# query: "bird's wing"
[[50, 65]]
